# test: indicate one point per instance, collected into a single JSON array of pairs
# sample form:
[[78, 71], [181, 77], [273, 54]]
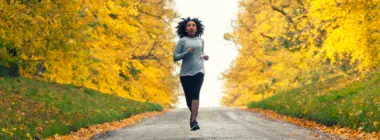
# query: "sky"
[[217, 16]]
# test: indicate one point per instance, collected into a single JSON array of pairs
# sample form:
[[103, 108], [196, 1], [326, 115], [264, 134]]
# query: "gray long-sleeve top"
[[192, 62]]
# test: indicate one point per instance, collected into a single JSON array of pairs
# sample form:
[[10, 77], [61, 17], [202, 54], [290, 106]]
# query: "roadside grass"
[[355, 105], [37, 109]]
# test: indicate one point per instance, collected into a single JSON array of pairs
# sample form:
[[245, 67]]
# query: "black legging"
[[192, 86]]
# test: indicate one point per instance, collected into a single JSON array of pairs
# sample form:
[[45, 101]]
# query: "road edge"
[[99, 131], [334, 132]]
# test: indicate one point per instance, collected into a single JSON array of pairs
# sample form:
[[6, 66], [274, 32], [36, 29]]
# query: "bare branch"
[[281, 11], [144, 57], [266, 36], [153, 15]]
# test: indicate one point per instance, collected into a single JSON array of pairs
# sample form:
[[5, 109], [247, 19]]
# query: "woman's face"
[[191, 28]]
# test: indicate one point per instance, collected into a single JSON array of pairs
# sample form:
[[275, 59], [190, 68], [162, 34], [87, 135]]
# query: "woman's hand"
[[205, 57], [190, 50]]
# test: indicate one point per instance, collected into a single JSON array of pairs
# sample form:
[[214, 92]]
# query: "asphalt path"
[[216, 124]]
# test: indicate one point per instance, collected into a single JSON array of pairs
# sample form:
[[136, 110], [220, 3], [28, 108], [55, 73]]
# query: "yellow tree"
[[289, 43], [118, 47]]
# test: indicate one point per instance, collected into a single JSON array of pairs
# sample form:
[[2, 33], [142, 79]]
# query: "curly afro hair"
[[181, 27]]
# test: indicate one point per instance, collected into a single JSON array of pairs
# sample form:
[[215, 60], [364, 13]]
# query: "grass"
[[355, 105], [37, 109]]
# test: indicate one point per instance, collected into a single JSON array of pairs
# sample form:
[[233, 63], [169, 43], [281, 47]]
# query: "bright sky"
[[216, 16]]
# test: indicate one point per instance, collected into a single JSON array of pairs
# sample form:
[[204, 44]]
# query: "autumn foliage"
[[118, 47], [284, 44]]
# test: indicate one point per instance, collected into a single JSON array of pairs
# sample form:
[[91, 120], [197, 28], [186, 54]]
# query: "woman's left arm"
[[205, 57]]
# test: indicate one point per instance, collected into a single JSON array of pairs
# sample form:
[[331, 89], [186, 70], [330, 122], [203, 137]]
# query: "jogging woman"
[[190, 49]]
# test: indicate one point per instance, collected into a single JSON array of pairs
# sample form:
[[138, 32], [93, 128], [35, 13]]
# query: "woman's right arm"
[[178, 55]]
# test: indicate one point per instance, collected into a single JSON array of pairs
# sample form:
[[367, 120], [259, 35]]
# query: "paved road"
[[215, 123]]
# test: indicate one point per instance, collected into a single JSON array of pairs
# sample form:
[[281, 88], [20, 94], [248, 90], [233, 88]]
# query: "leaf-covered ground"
[[88, 132]]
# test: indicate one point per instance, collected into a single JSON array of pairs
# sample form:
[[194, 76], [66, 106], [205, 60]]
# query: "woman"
[[190, 49]]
